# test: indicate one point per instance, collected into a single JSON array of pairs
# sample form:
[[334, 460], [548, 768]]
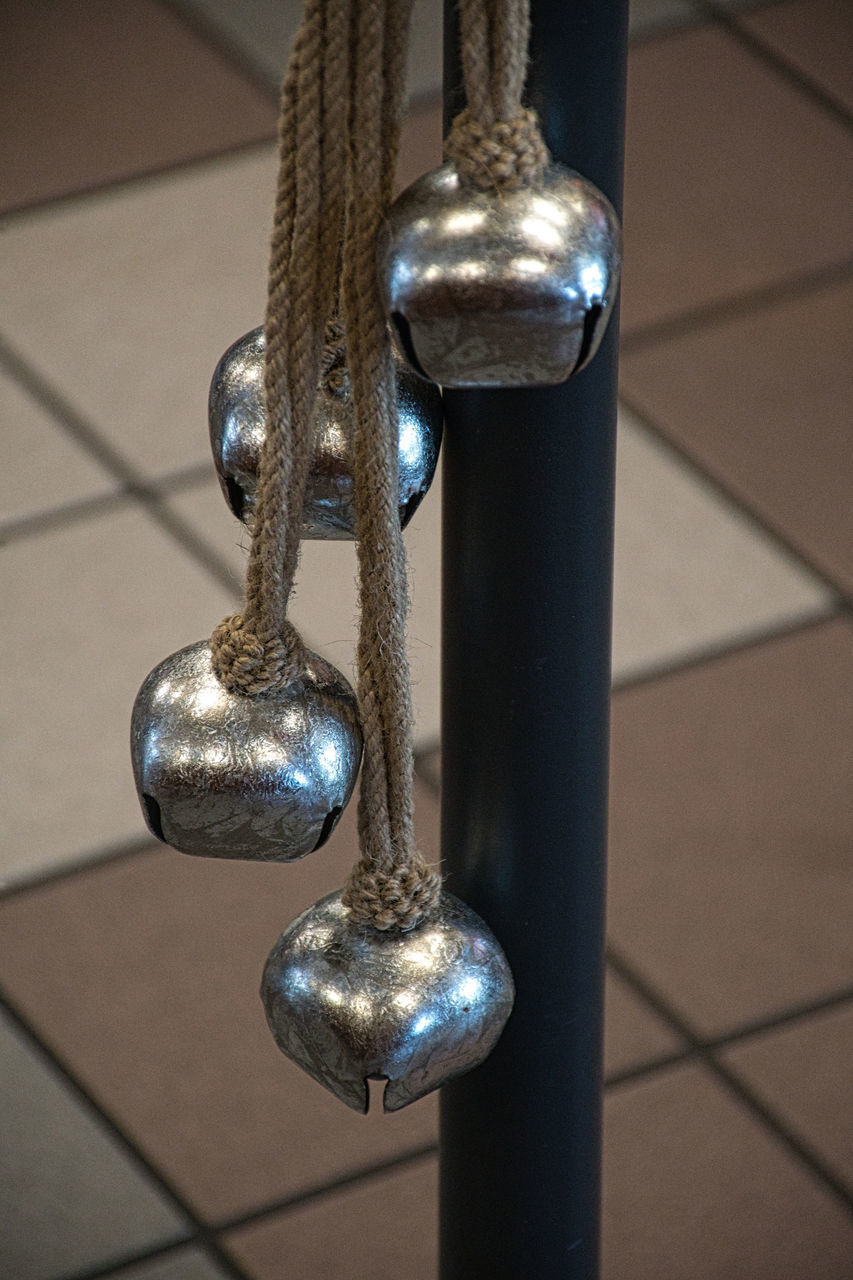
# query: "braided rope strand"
[[259, 650], [391, 886]]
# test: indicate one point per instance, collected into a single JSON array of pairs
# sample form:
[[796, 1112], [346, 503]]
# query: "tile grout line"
[[746, 642], [733, 307], [64, 516], [134, 181], [201, 1233], [194, 18], [122, 851], [85, 434], [103, 1271], [48, 520], [357, 1177], [739, 1035], [811, 88], [673, 26], [768, 528], [705, 1052]]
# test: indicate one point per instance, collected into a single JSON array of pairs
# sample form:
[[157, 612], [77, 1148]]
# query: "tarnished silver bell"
[[501, 290], [349, 1003], [229, 776], [237, 429]]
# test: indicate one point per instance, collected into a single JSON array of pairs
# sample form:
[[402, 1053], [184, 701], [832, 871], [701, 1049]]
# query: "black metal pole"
[[527, 573]]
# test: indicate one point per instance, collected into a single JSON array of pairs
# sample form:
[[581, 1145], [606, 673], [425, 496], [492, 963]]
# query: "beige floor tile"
[[696, 1189], [691, 572], [150, 994], [127, 300], [385, 1229], [44, 468], [325, 606], [632, 1033], [71, 1197], [653, 17], [804, 1072], [730, 885], [183, 1264], [763, 403], [420, 141], [816, 36], [88, 611], [94, 92], [729, 173]]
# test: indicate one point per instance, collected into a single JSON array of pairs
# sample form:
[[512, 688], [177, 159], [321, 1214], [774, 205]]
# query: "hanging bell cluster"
[[483, 285], [237, 421]]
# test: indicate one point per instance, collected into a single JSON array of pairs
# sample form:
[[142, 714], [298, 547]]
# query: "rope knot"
[[399, 898], [502, 156], [250, 663]]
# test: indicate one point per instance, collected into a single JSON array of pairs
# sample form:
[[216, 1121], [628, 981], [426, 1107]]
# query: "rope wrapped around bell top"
[[495, 143]]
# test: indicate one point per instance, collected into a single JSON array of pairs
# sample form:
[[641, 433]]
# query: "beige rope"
[[391, 886], [259, 650], [342, 100], [495, 143]]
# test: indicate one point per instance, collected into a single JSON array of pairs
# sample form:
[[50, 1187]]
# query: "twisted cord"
[[391, 885], [258, 650], [495, 143], [339, 132], [335, 108]]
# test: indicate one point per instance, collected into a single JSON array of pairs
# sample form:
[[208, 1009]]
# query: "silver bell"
[[349, 1003], [230, 776], [509, 290], [237, 428]]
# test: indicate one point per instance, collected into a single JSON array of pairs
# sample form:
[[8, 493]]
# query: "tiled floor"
[[150, 1129]]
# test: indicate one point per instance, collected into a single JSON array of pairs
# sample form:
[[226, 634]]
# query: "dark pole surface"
[[527, 575]]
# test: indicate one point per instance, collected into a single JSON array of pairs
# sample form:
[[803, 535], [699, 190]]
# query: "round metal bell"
[[349, 1003], [230, 776], [509, 290], [237, 429]]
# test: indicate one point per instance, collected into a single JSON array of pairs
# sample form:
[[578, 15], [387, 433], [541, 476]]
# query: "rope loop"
[[499, 157], [247, 662]]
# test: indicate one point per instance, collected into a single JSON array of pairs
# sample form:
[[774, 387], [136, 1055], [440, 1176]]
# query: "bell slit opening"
[[236, 497], [328, 827], [408, 508], [153, 816], [404, 333], [590, 324]]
